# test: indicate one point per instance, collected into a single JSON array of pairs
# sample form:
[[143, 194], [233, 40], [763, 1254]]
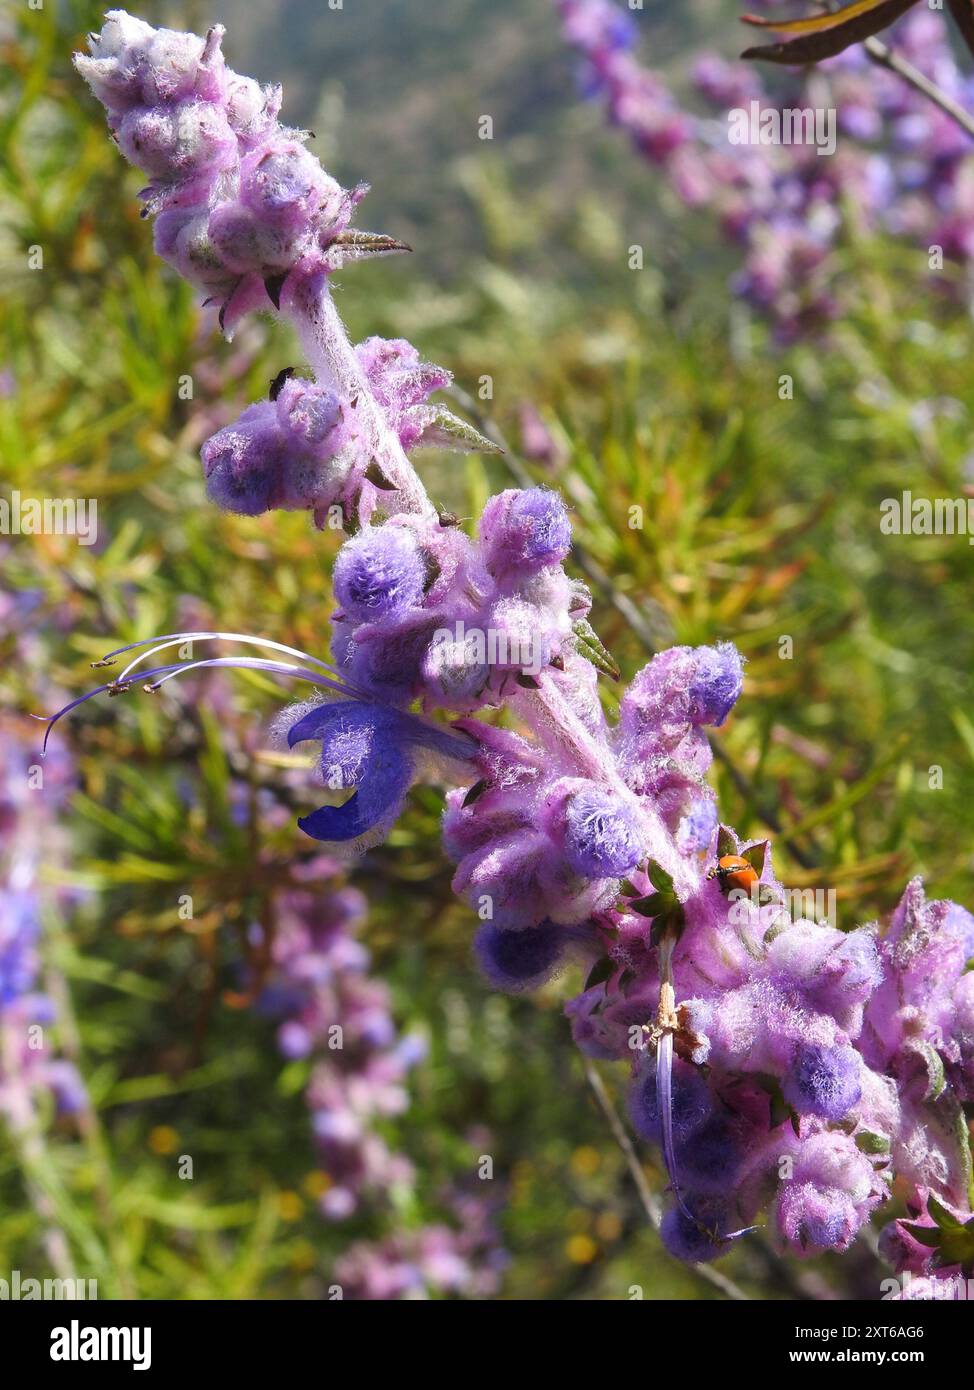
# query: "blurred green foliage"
[[757, 520]]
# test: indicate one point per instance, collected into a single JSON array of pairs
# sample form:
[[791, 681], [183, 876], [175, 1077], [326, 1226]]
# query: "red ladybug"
[[731, 871]]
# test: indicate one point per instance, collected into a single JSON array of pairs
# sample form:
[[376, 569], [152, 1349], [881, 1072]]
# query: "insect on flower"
[[733, 871]]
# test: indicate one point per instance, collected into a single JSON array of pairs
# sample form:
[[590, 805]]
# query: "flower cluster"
[[782, 1065], [240, 202], [334, 1013], [780, 202], [31, 798], [424, 612], [464, 1258], [247, 215]]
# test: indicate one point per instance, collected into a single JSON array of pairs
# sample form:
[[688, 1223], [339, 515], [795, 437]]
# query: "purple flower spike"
[[379, 574], [824, 1081], [602, 837]]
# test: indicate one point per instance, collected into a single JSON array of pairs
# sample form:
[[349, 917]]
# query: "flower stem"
[[311, 309]]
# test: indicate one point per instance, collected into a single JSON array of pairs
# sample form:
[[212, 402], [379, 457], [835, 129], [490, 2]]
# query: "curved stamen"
[[118, 687], [239, 663], [664, 1090], [51, 719], [177, 639]]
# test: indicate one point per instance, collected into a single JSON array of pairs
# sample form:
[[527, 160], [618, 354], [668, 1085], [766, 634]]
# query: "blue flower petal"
[[380, 792], [318, 720]]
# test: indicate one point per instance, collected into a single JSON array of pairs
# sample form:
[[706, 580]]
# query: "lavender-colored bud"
[[247, 244], [177, 142], [252, 109], [710, 1160], [503, 879], [812, 1220], [523, 531], [312, 416], [716, 683], [692, 1103], [286, 184], [824, 1081], [402, 384], [831, 1158], [695, 1241], [182, 239], [379, 574], [601, 834], [518, 960], [243, 462]]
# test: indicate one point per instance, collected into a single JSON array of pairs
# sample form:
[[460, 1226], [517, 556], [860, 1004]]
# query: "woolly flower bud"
[[523, 531], [812, 1220], [285, 183], [696, 828], [516, 960], [310, 414], [601, 834], [243, 462], [251, 108], [280, 454], [716, 683], [823, 1081], [693, 1240], [176, 142], [831, 1159], [131, 63], [692, 1103], [182, 239], [245, 244], [379, 574]]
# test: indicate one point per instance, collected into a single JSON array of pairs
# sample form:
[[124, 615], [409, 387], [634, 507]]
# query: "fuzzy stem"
[[311, 309]]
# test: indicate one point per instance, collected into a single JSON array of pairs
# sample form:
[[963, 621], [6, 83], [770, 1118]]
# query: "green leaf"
[[354, 245], [600, 972], [928, 1236], [590, 646], [669, 923], [449, 431], [659, 878], [755, 856], [652, 905], [725, 843], [946, 1220], [869, 1143]]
